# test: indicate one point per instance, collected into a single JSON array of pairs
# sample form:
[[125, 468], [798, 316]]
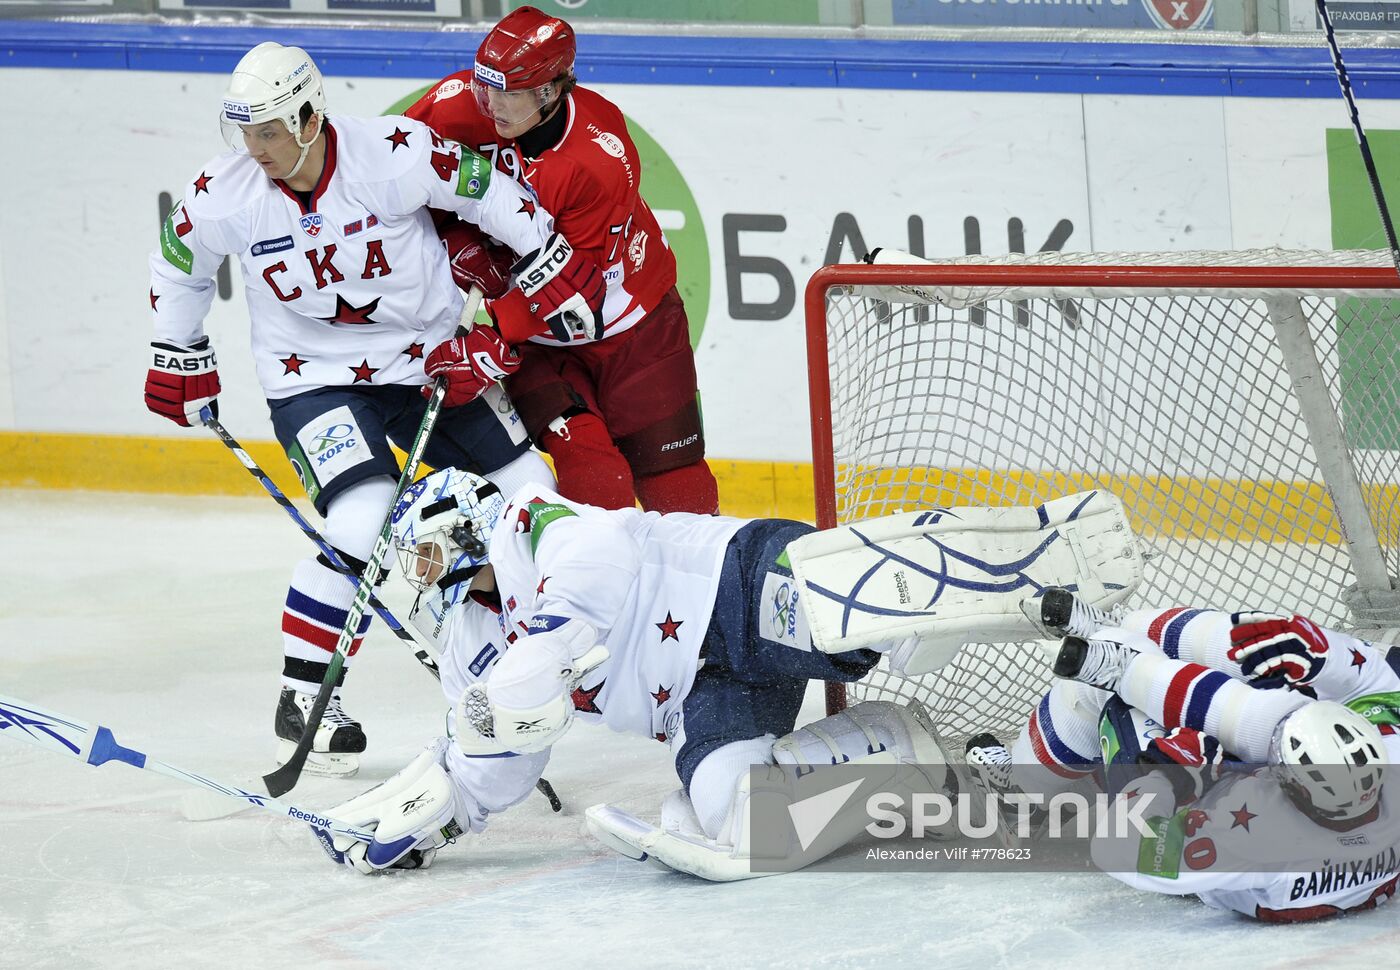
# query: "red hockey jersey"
[[588, 181]]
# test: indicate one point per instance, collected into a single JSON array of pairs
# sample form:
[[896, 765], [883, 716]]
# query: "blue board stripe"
[[1048, 67]]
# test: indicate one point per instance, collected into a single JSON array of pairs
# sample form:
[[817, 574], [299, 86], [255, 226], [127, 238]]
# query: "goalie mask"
[[522, 67], [1331, 761], [272, 83], [442, 527]]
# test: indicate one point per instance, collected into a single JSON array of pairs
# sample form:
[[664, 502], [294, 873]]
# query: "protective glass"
[[247, 139], [509, 108]]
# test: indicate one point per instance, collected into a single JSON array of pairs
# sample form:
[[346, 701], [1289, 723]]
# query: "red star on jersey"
[[669, 628], [154, 298], [1243, 816], [661, 737], [292, 363], [527, 207], [1358, 659], [398, 139], [539, 590], [586, 701], [364, 372], [662, 694], [201, 184], [413, 352], [345, 313]]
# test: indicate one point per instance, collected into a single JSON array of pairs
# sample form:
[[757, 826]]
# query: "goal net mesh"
[[1176, 396]]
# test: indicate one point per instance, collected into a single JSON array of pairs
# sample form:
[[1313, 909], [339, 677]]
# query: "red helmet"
[[526, 49]]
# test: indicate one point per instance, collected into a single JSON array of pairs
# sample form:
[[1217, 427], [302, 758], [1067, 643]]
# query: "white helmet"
[[1332, 760], [272, 83], [442, 527]]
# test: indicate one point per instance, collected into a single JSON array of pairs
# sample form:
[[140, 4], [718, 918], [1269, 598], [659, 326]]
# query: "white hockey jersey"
[[645, 582], [1301, 870], [355, 288]]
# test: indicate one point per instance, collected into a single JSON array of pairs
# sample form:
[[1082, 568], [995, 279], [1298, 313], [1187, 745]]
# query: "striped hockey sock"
[[318, 602], [1179, 694]]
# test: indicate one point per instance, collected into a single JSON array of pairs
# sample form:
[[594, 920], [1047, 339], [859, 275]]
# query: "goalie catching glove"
[[182, 380], [556, 285], [412, 815]]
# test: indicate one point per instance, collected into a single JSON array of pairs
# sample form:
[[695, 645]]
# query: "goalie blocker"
[[941, 578]]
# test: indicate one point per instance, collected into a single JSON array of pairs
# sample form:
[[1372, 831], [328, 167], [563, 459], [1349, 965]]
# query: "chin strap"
[[305, 149]]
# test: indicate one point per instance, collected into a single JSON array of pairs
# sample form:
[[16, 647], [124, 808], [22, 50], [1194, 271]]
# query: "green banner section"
[[1368, 339]]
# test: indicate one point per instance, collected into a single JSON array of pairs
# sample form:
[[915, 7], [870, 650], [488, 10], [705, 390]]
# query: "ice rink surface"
[[159, 618]]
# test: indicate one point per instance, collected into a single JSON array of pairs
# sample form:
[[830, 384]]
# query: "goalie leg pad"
[[412, 814], [951, 576], [873, 733]]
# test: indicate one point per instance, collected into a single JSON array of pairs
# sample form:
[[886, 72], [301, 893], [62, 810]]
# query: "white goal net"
[[1245, 406]]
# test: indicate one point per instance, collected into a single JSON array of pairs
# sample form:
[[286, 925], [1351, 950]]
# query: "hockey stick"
[[1366, 158], [327, 550], [95, 745], [284, 779], [197, 809]]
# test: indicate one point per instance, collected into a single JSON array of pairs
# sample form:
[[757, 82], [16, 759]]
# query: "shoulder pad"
[[380, 149], [225, 185], [542, 514]]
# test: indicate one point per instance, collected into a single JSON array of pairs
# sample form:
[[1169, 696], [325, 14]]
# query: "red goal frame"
[[1083, 277]]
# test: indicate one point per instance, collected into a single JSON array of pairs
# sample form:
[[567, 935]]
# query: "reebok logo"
[[317, 820]]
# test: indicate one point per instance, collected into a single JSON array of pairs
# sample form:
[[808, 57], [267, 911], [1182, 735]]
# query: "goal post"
[[1245, 406]]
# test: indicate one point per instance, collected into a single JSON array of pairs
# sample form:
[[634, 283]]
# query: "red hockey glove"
[[1272, 645], [1192, 760], [474, 260], [471, 363], [182, 380], [555, 285]]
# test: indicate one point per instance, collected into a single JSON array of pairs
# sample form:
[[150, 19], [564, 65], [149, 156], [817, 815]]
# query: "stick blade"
[[285, 778]]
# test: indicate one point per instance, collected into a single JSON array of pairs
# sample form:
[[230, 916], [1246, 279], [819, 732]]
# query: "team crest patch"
[[311, 224]]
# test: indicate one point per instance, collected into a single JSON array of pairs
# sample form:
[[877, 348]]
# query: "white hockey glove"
[[525, 706], [412, 815]]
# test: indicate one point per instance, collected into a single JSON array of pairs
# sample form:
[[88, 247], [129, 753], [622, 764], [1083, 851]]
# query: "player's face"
[[428, 563], [512, 112], [272, 146]]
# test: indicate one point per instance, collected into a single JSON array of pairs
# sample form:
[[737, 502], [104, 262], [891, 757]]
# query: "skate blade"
[[1031, 609], [323, 763]]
